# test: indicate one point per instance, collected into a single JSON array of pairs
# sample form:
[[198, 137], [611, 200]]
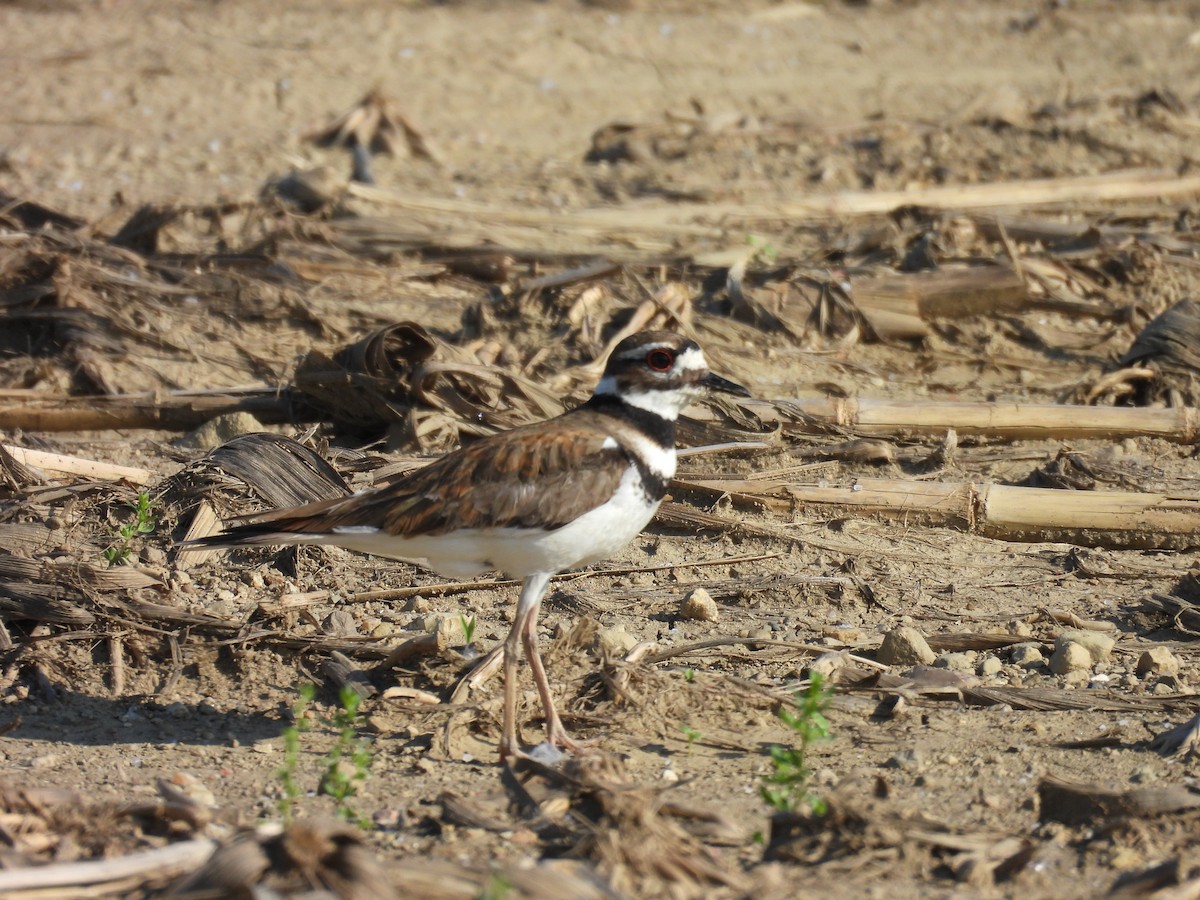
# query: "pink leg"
[[527, 606], [555, 733]]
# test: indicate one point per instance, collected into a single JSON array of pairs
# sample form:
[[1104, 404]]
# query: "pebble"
[[216, 432], [1070, 657], [1020, 628], [699, 605], [43, 761], [990, 665], [340, 623], [957, 662], [615, 640], [1027, 656], [450, 632], [254, 579], [910, 760], [905, 646], [827, 663], [195, 789], [1157, 661], [1098, 645], [153, 556]]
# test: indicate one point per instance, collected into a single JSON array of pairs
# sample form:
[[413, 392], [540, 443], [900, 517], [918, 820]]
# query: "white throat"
[[665, 403]]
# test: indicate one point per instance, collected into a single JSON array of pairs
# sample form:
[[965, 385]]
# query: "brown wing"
[[539, 476]]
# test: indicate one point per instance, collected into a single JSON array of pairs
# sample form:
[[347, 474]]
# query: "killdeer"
[[531, 502]]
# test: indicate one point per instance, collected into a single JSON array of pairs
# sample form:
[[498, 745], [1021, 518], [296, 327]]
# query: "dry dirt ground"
[[934, 785]]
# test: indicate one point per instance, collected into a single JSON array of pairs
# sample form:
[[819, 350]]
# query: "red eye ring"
[[660, 360]]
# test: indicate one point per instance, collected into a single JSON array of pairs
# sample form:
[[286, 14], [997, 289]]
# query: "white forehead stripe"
[[692, 360]]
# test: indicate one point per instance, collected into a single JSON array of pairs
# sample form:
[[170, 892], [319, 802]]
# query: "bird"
[[531, 502]]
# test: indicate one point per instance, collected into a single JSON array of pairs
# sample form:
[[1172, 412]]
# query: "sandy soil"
[[112, 105]]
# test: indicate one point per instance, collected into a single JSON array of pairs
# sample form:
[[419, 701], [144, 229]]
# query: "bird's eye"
[[660, 360]]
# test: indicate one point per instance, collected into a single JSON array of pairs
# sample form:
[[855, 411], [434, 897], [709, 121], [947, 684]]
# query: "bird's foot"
[[556, 736], [544, 754]]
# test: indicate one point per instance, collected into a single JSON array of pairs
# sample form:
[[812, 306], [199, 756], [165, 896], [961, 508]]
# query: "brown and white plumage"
[[530, 502]]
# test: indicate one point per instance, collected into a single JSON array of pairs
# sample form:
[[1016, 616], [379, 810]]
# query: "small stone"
[[957, 662], [910, 760], [383, 630], [699, 605], [340, 623], [1020, 628], [1099, 646], [1157, 661], [418, 604], [615, 641], [1077, 678], [990, 665], [827, 663], [1143, 775], [392, 818], [905, 646], [1027, 656], [450, 631], [153, 556], [195, 789], [1070, 657], [254, 579], [215, 432]]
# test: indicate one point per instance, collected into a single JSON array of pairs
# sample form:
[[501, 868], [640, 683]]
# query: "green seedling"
[[468, 628], [291, 754], [347, 764], [692, 736], [142, 523], [689, 675], [786, 787], [762, 247]]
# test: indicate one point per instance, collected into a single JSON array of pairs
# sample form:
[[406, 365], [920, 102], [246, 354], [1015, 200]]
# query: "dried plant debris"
[[44, 825], [403, 376], [374, 125], [1086, 804], [95, 317], [1162, 364], [636, 834], [1179, 740], [304, 856], [848, 834]]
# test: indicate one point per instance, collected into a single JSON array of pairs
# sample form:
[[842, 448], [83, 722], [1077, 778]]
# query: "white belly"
[[518, 552]]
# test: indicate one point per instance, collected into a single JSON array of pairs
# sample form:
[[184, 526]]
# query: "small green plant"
[[762, 247], [468, 627], [349, 762], [689, 675], [786, 787], [291, 754], [692, 736], [141, 523], [497, 888]]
